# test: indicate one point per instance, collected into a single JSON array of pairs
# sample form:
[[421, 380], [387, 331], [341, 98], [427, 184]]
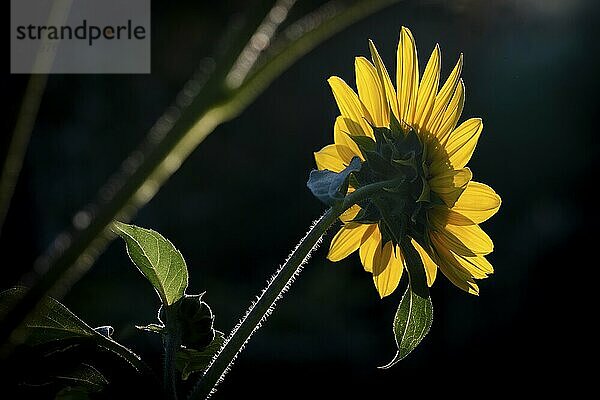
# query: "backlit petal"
[[478, 202], [443, 98], [384, 78], [388, 264], [465, 240], [333, 157], [428, 263], [371, 240], [350, 213], [450, 216], [407, 75], [455, 273], [349, 104], [346, 241], [452, 114], [370, 92], [462, 141], [428, 89], [450, 184], [343, 129], [478, 265]]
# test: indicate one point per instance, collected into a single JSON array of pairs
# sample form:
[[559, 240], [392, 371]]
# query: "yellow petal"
[[329, 158], [478, 202], [407, 75], [462, 141], [428, 89], [370, 241], [452, 269], [473, 237], [428, 263], [349, 104], [343, 129], [346, 154], [465, 240], [451, 115], [333, 157], [449, 185], [370, 92], [443, 98], [388, 264], [350, 213], [460, 279], [450, 216], [346, 241], [384, 78], [476, 265]]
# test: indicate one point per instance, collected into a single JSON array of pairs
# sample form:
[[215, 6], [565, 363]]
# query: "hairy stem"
[[276, 287], [259, 311]]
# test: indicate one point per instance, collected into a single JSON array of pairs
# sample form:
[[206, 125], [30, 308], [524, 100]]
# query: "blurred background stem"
[[30, 105], [221, 97], [19, 141]]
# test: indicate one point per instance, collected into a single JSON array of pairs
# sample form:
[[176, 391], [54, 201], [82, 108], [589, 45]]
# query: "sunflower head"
[[407, 136], [399, 158]]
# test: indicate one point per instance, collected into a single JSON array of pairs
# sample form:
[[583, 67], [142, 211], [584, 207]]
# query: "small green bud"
[[196, 322]]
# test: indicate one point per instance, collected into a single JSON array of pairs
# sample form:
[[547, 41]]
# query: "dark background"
[[239, 204]]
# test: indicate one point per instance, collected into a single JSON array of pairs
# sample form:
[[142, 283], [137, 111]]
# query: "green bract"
[[189, 360], [399, 209]]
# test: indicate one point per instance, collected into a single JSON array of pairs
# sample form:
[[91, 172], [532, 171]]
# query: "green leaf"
[[415, 312], [156, 257], [52, 321], [331, 187], [59, 365], [189, 360], [411, 323], [85, 378]]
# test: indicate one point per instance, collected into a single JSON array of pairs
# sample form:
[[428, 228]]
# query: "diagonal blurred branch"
[[13, 163], [300, 38], [200, 108], [27, 115]]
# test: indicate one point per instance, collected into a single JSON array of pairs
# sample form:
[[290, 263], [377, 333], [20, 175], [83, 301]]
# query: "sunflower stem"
[[415, 268], [276, 287], [172, 342], [260, 310]]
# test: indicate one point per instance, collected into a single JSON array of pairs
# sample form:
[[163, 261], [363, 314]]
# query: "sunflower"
[[410, 131]]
